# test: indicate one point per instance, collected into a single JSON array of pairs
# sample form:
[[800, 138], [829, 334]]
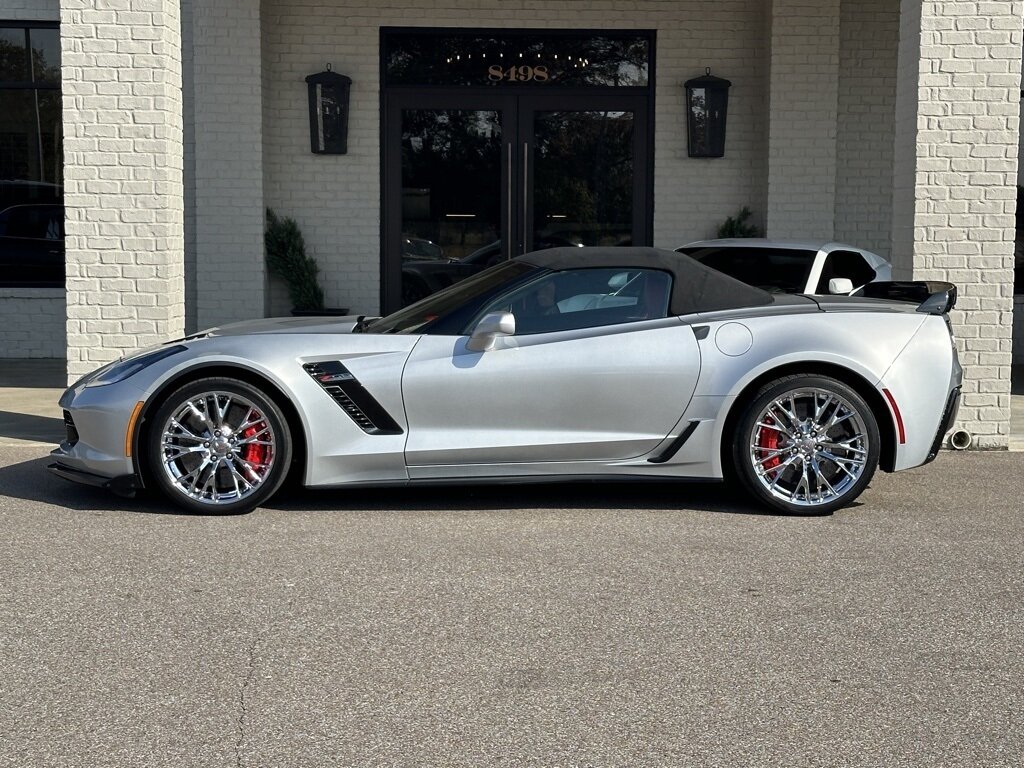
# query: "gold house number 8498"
[[521, 74]]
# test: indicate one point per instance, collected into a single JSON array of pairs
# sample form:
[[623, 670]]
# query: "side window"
[[586, 298], [846, 264]]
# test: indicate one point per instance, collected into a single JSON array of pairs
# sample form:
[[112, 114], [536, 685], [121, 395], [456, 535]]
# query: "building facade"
[[889, 124]]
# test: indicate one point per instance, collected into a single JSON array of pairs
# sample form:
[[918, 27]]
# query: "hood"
[[278, 325]]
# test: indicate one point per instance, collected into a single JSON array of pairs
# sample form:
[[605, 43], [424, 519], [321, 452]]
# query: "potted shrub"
[[737, 226], [287, 258]]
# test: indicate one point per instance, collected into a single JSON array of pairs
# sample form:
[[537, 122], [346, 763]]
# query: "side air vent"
[[345, 389], [70, 429]]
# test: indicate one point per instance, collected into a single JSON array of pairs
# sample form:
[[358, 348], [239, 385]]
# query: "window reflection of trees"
[[583, 184], [452, 158]]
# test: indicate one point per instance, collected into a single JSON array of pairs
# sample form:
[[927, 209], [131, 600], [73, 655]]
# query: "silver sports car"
[[562, 364]]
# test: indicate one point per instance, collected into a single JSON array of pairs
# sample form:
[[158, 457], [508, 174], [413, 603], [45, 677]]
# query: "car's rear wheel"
[[806, 445], [218, 446]]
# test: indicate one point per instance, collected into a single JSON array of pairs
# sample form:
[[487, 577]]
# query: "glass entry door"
[[584, 171], [472, 179]]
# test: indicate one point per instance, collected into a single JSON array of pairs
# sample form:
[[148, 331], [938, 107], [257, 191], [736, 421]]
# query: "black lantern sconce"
[[328, 112], [707, 101]]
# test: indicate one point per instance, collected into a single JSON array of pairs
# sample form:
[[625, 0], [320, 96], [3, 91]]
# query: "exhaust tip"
[[961, 440]]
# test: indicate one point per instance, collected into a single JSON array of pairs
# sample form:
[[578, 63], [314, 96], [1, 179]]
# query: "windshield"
[[776, 270], [442, 311]]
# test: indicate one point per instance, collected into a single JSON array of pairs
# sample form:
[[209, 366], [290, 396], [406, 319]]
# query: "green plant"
[[286, 258], [737, 226]]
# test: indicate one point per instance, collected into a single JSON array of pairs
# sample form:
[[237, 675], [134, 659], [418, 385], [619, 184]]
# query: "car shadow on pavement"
[[29, 426], [555, 496], [31, 481]]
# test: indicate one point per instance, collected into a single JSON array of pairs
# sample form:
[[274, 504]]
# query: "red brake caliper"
[[255, 455], [768, 441]]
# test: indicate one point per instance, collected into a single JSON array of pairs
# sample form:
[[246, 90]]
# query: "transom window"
[[520, 59]]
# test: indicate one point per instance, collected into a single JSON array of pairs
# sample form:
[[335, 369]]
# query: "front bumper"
[[96, 421], [125, 485]]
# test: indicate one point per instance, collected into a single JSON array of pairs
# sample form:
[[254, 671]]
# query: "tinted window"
[[846, 264], [31, 162], [777, 270], [585, 298], [453, 306]]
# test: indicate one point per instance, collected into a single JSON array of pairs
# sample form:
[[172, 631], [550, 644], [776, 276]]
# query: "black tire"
[[277, 452], [805, 456]]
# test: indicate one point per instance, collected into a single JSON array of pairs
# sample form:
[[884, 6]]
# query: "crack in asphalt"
[[249, 680], [243, 710]]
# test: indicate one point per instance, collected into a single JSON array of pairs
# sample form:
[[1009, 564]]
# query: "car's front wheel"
[[806, 445], [218, 446]]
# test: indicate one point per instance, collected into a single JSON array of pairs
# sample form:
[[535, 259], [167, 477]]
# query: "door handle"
[[526, 197], [508, 195]]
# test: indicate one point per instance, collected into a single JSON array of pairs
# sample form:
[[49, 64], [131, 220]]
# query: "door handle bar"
[[526, 196]]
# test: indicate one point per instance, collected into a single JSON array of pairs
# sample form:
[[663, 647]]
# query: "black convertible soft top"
[[695, 288]]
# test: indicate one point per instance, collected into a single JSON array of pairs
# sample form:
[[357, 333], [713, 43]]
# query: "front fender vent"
[[71, 437], [344, 388]]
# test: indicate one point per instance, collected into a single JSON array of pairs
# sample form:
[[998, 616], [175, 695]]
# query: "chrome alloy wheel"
[[809, 447], [217, 448]]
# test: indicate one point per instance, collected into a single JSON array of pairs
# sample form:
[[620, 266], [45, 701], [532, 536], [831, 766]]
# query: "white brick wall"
[[29, 10], [228, 162], [803, 103], [964, 89], [336, 200], [33, 322], [123, 186], [869, 37]]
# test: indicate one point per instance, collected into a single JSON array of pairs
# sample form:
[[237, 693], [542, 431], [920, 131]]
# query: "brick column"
[[230, 272], [123, 191], [954, 199], [803, 105]]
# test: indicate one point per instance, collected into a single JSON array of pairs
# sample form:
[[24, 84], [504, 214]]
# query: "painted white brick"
[[227, 165], [803, 109], [30, 10], [956, 150], [33, 322], [869, 36], [123, 183]]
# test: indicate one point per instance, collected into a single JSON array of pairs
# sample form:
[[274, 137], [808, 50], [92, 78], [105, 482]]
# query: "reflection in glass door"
[[451, 220], [473, 179], [581, 184]]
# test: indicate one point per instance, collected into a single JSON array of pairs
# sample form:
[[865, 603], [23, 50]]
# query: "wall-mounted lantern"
[[328, 112], [707, 101]]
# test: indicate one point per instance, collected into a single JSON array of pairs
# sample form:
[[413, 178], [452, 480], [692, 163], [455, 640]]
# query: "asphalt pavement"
[[575, 625]]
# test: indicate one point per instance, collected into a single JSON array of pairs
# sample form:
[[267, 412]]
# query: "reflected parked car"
[[422, 277], [32, 245], [808, 267]]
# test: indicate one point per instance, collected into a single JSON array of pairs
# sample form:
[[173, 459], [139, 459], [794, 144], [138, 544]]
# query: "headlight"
[[122, 369]]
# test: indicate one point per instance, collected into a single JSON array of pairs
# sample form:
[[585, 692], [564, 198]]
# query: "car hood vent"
[[344, 388]]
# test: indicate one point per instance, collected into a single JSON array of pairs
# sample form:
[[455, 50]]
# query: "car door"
[[598, 372]]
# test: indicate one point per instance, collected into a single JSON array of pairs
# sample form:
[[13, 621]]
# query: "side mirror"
[[840, 286], [490, 327]]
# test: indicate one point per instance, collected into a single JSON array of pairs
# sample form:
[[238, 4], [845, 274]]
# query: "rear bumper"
[[945, 424], [125, 485]]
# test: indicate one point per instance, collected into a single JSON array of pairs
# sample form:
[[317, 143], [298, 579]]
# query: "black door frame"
[[517, 127]]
